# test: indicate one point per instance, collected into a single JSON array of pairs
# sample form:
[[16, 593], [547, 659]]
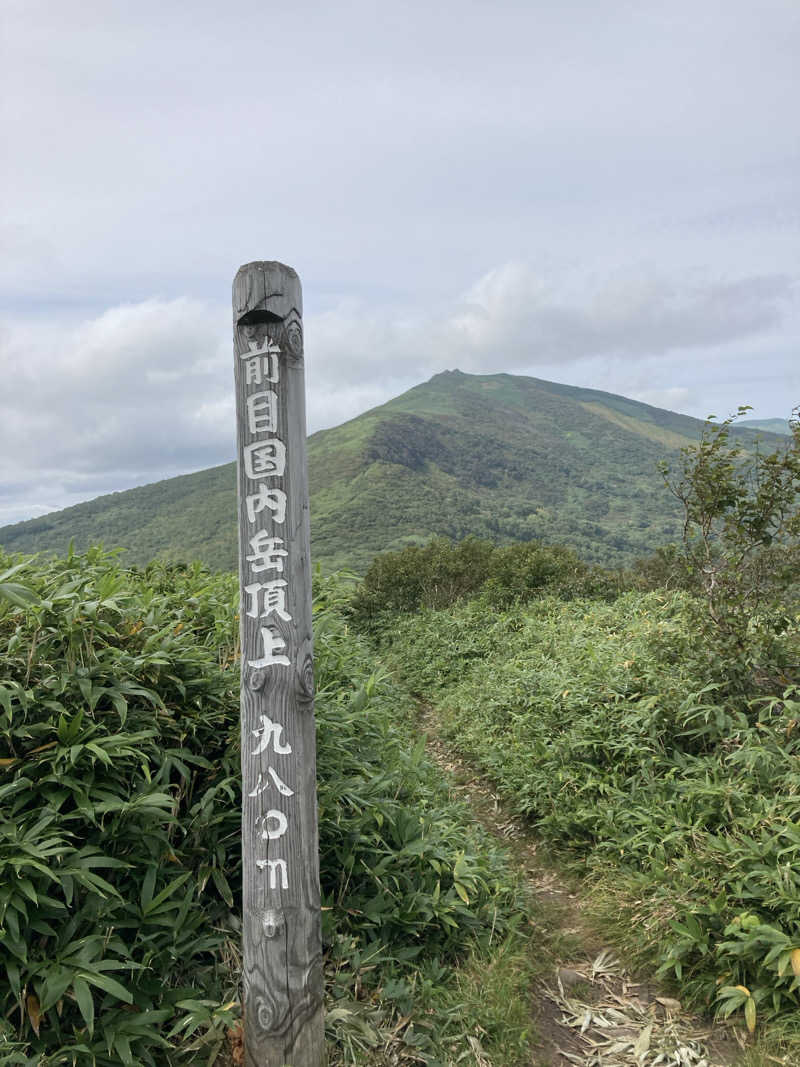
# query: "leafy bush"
[[606, 725], [118, 839], [433, 575], [441, 573], [120, 865], [741, 548]]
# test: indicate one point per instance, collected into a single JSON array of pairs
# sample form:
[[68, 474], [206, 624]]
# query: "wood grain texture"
[[282, 982]]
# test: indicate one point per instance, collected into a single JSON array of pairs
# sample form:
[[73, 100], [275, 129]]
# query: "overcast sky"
[[597, 192]]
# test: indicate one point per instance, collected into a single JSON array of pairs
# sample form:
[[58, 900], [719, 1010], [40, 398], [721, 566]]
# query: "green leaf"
[[12, 970], [83, 995], [57, 981], [148, 885], [123, 1047], [109, 985], [13, 570], [17, 594], [221, 882], [168, 891]]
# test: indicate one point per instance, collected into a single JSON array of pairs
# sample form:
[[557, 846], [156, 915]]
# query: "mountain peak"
[[500, 456]]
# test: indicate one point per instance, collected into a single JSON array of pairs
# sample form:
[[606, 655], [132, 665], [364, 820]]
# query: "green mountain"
[[770, 425], [497, 456]]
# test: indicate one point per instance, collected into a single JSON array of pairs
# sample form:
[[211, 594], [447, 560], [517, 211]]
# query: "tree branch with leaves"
[[741, 538]]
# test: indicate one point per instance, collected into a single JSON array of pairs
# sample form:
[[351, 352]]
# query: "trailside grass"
[[120, 848], [606, 725]]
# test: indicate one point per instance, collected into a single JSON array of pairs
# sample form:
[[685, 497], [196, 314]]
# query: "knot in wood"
[[272, 922]]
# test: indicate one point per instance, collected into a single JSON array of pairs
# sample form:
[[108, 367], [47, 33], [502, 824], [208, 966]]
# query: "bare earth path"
[[588, 1009]]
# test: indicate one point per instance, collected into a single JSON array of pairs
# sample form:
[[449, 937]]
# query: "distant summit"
[[770, 425], [496, 456]]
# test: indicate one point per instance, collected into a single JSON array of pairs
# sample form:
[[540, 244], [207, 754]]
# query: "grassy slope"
[[497, 456]]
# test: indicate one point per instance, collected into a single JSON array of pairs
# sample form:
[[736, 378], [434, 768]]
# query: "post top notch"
[[268, 287]]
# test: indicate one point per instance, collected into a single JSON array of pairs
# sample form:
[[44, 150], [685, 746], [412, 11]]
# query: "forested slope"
[[497, 456]]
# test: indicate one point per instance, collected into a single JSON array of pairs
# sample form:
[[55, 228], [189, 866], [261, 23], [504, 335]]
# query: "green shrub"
[[606, 725], [118, 832], [741, 550], [120, 864], [441, 573]]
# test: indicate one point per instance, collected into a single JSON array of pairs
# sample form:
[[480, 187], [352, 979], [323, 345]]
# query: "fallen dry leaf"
[[669, 1004], [34, 1012]]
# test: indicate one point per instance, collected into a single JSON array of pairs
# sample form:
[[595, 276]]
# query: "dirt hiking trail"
[[588, 1009]]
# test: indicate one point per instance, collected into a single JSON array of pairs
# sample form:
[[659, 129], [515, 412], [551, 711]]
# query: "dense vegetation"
[[655, 736], [440, 573], [608, 727], [646, 723], [120, 865], [497, 457]]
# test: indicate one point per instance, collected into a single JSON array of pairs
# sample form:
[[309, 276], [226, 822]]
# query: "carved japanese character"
[[260, 355], [266, 552], [274, 866], [260, 369], [269, 732], [262, 412], [265, 459], [262, 784], [276, 831], [272, 499], [273, 600], [273, 643]]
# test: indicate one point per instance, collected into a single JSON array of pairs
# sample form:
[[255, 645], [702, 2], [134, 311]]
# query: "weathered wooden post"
[[283, 1023]]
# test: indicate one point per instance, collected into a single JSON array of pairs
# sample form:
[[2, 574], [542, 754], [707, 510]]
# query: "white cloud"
[[144, 390], [132, 394], [514, 319], [513, 311]]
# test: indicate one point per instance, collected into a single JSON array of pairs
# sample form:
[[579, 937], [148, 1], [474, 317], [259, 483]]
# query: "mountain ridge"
[[779, 426], [500, 456]]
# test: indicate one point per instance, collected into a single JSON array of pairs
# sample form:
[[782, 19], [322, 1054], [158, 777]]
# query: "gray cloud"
[[630, 169], [130, 395], [155, 152], [513, 319], [144, 390]]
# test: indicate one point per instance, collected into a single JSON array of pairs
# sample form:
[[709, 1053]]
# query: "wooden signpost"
[[282, 996]]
